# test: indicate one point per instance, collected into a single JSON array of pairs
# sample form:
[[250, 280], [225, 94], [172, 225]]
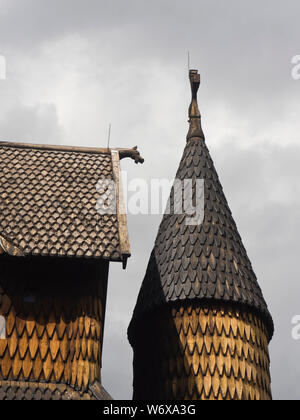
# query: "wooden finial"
[[195, 130], [195, 82]]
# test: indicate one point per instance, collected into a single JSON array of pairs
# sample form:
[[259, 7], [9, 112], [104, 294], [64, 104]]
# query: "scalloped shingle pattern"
[[208, 261], [54, 326], [30, 391], [58, 336], [48, 203]]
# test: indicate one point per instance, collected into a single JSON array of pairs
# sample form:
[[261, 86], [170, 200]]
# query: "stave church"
[[200, 328]]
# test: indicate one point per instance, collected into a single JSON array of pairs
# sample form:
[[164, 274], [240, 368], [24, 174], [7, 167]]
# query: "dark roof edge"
[[42, 255]]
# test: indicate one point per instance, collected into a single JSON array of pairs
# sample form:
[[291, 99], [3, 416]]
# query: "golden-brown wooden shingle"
[[216, 360]]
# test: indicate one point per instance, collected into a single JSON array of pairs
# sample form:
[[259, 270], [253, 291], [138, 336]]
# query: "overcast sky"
[[74, 66]]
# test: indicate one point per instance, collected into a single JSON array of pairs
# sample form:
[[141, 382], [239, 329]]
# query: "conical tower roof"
[[205, 261]]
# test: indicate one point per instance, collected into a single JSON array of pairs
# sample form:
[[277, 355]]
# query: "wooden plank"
[[121, 211]]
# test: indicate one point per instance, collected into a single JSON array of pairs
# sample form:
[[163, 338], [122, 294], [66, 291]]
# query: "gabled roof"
[[205, 262], [48, 202]]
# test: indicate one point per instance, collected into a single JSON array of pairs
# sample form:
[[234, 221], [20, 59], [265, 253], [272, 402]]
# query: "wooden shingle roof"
[[206, 262], [48, 202]]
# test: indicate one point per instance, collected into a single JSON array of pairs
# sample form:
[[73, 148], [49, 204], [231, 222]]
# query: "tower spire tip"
[[195, 130]]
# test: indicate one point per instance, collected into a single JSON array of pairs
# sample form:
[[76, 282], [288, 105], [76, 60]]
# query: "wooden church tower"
[[56, 242], [201, 328]]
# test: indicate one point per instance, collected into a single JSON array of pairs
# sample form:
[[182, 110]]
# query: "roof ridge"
[[50, 147], [132, 153]]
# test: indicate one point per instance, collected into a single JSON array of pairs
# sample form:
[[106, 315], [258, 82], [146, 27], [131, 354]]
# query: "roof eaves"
[[7, 247]]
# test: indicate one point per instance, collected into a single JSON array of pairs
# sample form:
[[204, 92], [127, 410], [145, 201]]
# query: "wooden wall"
[[213, 353], [54, 311]]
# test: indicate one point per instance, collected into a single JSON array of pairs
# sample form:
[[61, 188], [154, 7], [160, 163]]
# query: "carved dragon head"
[[133, 153]]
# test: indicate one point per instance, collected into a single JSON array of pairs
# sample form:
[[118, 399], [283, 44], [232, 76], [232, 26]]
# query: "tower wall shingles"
[[202, 353]]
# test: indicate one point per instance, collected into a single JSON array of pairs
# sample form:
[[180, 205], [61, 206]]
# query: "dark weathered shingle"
[[48, 202], [31, 391]]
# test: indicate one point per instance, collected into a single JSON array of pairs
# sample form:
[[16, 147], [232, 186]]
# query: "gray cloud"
[[35, 124]]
